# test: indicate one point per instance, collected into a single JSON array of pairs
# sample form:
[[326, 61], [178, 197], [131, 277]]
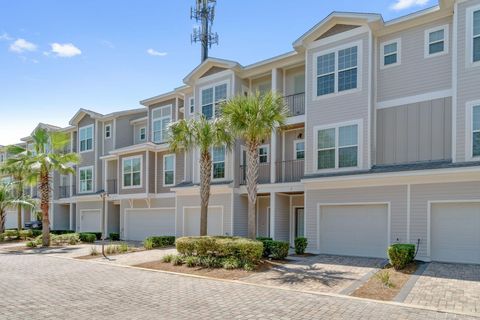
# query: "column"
[[272, 215]]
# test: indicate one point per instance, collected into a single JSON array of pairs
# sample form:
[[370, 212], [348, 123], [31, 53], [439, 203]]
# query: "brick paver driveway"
[[45, 287], [448, 287]]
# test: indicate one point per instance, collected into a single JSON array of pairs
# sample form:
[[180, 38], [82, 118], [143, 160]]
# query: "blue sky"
[[59, 56]]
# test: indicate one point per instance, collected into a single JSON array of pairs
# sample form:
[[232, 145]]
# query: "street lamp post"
[[103, 194]]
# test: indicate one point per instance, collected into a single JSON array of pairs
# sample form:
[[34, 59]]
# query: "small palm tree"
[[8, 199], [253, 118], [202, 134], [47, 158]]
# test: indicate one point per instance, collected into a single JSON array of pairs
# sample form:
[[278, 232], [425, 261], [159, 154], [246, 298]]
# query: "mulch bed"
[[375, 289], [99, 255]]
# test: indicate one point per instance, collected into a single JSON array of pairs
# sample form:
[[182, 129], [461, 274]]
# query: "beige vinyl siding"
[[179, 170], [415, 132], [262, 216], [143, 188], [290, 137], [282, 217], [416, 74], [87, 159], [151, 172], [240, 215], [108, 143], [212, 70], [262, 82]]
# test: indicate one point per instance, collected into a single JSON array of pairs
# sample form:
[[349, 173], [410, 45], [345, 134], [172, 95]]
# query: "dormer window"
[[86, 138], [161, 118], [212, 98]]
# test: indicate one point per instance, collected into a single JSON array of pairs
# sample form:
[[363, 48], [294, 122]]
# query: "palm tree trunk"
[[252, 179], [2, 221], [19, 208], [205, 179], [45, 206]]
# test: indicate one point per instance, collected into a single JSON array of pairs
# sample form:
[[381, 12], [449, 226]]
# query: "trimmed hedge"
[[276, 250], [11, 233], [266, 248], [114, 236], [25, 234], [300, 245], [160, 241], [87, 237], [401, 254], [60, 239], [36, 232]]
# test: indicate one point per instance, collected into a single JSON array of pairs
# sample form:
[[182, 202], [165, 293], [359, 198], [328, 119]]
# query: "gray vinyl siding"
[[290, 137], [136, 132], [108, 142], [416, 74], [179, 170], [282, 218], [98, 169], [61, 219], [240, 215], [330, 109], [262, 216], [468, 80], [415, 132], [151, 172], [396, 195], [124, 130], [143, 188]]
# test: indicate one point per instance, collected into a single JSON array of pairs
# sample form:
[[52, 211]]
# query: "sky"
[[57, 56]]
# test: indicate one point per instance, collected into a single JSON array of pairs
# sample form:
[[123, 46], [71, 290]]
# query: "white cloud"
[[156, 53], [405, 4], [22, 45], [66, 50], [5, 36]]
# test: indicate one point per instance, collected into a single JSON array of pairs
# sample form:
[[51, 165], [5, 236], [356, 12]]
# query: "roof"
[[207, 64], [95, 115]]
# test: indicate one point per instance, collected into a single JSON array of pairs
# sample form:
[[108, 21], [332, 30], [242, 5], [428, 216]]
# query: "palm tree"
[[8, 199], [253, 118], [47, 157], [202, 134]]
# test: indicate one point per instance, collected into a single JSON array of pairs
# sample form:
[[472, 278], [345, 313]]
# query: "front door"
[[299, 222]]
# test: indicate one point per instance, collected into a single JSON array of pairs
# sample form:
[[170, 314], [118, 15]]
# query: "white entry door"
[[192, 221], [11, 220]]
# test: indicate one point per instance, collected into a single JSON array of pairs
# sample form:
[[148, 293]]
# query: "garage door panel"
[[90, 221], [214, 222], [141, 224], [11, 220], [354, 230]]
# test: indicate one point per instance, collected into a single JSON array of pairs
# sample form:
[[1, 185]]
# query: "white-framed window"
[[337, 70], [218, 162], [108, 131], [142, 134], [211, 98], [132, 172], [473, 129], [337, 146], [168, 170], [85, 137], [299, 149], [2, 157], [264, 154], [86, 179], [191, 103], [436, 41], [473, 36], [390, 53], [161, 118]]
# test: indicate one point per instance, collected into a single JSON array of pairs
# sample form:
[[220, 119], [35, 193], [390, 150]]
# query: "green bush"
[[400, 255], [25, 234], [168, 258], [210, 262], [148, 244], [300, 245], [266, 247], [114, 236], [11, 234], [117, 248], [31, 244], [160, 241], [36, 233], [60, 232], [278, 249], [67, 238], [87, 237], [177, 260], [192, 261], [2, 237], [231, 263]]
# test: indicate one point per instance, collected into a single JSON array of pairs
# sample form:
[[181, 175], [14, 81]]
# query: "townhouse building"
[[381, 144]]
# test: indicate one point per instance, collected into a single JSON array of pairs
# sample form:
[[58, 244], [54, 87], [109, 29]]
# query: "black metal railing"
[[263, 173], [112, 186], [74, 190], [289, 171], [64, 191], [296, 104]]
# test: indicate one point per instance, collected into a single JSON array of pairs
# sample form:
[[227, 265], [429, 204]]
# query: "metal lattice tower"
[[204, 13]]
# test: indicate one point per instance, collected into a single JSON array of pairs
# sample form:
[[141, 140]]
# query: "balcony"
[[63, 192], [34, 192], [296, 104], [263, 173], [112, 186], [290, 171]]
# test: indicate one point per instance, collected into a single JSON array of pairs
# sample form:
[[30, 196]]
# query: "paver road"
[[37, 286]]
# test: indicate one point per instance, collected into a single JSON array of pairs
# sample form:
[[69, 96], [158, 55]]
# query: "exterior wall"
[[61, 220], [282, 218], [290, 137], [179, 170], [338, 28], [265, 81], [263, 203], [87, 158], [113, 219], [136, 132], [290, 75], [415, 132], [143, 188], [240, 215], [108, 142]]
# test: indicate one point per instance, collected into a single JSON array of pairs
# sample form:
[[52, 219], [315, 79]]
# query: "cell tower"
[[204, 13]]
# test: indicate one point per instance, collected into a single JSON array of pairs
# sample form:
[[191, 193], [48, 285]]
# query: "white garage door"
[[143, 223], [455, 232], [90, 221], [354, 230], [11, 220], [192, 221]]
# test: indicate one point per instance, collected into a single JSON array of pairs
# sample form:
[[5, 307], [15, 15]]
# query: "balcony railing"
[[34, 192], [290, 171], [296, 104], [112, 186], [64, 192], [263, 173]]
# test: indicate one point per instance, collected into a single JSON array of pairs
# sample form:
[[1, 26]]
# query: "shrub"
[[210, 262], [114, 236], [148, 244], [68, 238], [25, 234], [384, 277], [167, 258], [36, 233], [93, 251], [248, 267], [278, 249], [161, 241], [400, 255], [177, 260], [266, 247], [87, 237], [60, 232], [300, 245], [231, 263], [11, 234], [123, 247], [191, 261], [2, 237], [31, 244]]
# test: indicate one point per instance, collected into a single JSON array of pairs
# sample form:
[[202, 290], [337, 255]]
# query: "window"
[[337, 71], [2, 157], [476, 36], [218, 162], [192, 105], [169, 170], [86, 179], [108, 131], [143, 134], [390, 53], [337, 147], [476, 131], [161, 118], [86, 138], [263, 154], [132, 172], [299, 149], [212, 99], [436, 41]]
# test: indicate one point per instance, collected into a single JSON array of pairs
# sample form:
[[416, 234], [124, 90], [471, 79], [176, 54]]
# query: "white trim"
[[109, 126], [174, 169], [190, 100], [293, 210], [93, 138], [140, 134], [267, 146], [398, 41], [445, 40], [198, 207], [414, 99], [409, 209], [335, 93], [469, 37], [140, 156], [161, 118], [454, 81], [79, 177], [213, 86], [295, 142], [127, 210], [469, 130]]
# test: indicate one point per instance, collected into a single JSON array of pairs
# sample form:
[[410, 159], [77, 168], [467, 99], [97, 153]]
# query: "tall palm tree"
[[253, 118], [8, 199], [47, 157], [202, 134]]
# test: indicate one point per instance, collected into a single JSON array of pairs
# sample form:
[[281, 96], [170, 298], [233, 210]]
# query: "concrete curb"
[[405, 291]]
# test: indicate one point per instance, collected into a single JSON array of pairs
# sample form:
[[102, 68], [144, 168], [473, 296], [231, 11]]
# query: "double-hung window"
[[337, 71], [337, 147], [169, 170], [263, 154], [192, 105], [143, 134], [108, 131], [161, 118], [476, 131], [390, 53], [86, 138], [476, 36], [299, 149], [86, 179], [218, 162], [212, 98], [132, 172], [436, 41]]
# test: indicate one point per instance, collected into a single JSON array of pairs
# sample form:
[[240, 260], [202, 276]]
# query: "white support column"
[[272, 215], [105, 231], [71, 217], [273, 140]]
